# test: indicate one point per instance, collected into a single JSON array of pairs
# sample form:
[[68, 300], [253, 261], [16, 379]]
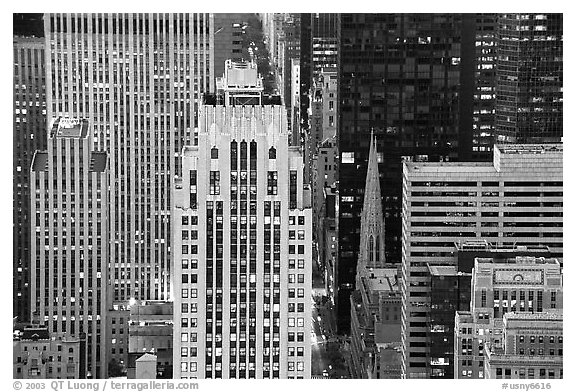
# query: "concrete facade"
[[139, 79], [516, 200], [243, 249], [532, 348], [69, 282], [523, 284], [37, 354]]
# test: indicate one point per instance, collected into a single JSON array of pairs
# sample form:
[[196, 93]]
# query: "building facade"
[[529, 79], [524, 284], [449, 292], [532, 348], [138, 78], [324, 34], [400, 76], [29, 136], [69, 210], [40, 355], [516, 200], [243, 246]]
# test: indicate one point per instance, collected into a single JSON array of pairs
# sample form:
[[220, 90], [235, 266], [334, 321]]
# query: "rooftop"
[[545, 316], [476, 245], [65, 127], [240, 75], [518, 260], [529, 148], [33, 333], [40, 161], [381, 279], [442, 270], [98, 161]]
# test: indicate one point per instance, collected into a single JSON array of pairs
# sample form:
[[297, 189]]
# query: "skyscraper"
[[324, 34], [69, 210], [243, 242], [400, 76], [29, 136], [515, 200], [529, 85], [138, 78], [483, 120]]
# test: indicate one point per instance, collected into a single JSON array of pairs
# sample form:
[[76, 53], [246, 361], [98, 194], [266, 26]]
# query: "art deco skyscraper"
[[138, 78], [29, 136], [242, 223], [69, 210]]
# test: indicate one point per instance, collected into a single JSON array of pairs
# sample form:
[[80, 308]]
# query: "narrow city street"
[[327, 348]]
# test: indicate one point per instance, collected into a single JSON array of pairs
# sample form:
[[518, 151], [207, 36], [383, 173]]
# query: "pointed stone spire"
[[372, 232]]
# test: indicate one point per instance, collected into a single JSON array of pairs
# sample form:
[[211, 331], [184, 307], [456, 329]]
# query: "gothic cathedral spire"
[[371, 253]]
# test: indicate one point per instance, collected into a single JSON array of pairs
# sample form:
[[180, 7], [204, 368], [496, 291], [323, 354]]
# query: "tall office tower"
[[294, 110], [324, 34], [541, 357], [400, 76], [529, 89], [290, 48], [69, 210], [501, 288], [483, 119], [29, 136], [516, 200], [323, 125], [449, 291], [305, 70], [138, 78], [243, 243], [228, 39]]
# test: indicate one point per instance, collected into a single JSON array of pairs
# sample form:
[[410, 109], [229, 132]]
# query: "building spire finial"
[[372, 231]]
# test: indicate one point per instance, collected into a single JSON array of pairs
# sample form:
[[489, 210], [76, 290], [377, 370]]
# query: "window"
[[272, 153], [347, 157], [214, 153], [214, 182], [293, 189], [272, 183]]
